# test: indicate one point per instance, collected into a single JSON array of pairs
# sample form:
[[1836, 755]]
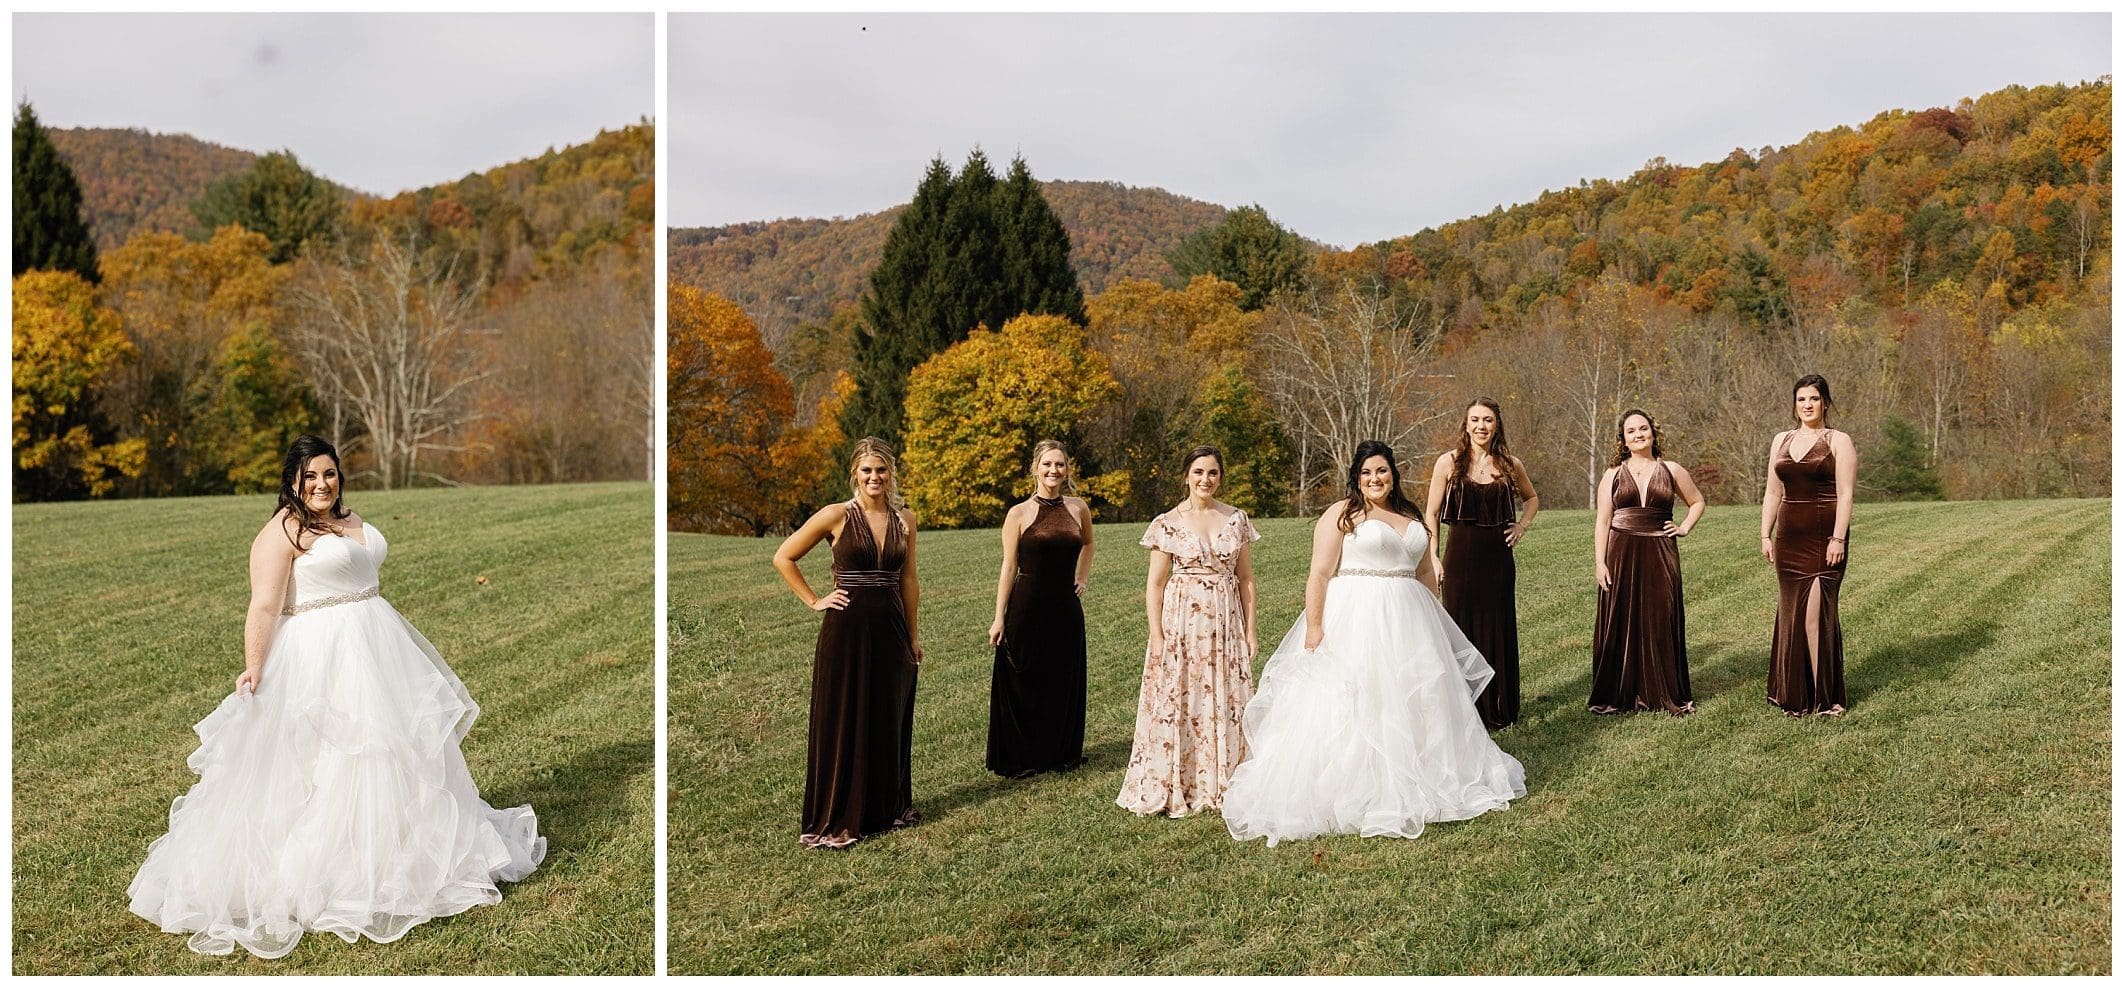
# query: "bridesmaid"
[[1036, 700], [1197, 669], [858, 769], [1807, 504], [1477, 570], [1640, 658]]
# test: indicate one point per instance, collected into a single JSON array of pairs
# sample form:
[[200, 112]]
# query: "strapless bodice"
[[337, 566], [1374, 545]]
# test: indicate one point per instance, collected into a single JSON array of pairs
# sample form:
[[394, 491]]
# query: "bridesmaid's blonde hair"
[[1069, 479], [869, 446]]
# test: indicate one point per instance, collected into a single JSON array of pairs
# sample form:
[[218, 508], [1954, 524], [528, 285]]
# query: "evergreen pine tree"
[[1248, 249], [50, 234], [970, 279], [969, 251], [1036, 268], [277, 197], [901, 303]]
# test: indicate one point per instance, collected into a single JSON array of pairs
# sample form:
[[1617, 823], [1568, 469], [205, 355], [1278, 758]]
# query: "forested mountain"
[[1948, 268], [791, 271], [2011, 188], [494, 328], [539, 217], [134, 181]]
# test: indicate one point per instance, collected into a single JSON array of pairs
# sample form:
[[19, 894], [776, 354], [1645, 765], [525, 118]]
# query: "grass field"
[[128, 628], [1956, 821]]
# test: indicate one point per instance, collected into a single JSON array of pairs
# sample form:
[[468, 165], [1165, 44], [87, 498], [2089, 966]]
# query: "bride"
[[331, 794], [1365, 722]]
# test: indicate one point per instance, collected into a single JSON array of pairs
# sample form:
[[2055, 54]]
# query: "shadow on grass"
[[582, 802], [1913, 661], [1097, 759]]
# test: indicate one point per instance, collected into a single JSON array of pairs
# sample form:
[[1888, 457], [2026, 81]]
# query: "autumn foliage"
[[975, 410], [739, 463], [65, 347]]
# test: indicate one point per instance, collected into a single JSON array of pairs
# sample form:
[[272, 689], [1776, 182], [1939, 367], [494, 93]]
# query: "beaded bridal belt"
[[332, 601], [1401, 574]]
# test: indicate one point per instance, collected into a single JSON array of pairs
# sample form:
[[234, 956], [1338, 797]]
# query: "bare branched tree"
[[389, 337], [1600, 376], [1344, 363]]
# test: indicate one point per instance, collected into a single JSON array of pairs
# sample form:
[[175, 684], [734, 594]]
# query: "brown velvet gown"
[[1036, 698], [1479, 590], [858, 771], [1807, 675], [1640, 656]]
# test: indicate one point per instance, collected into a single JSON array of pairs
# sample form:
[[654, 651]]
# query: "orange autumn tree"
[[975, 410], [739, 463]]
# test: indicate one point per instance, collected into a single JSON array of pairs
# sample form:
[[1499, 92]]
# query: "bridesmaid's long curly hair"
[[300, 452], [1500, 450], [1396, 501], [1622, 449], [869, 446], [1069, 479], [1821, 384]]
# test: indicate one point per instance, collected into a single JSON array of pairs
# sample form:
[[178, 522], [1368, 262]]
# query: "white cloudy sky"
[[379, 102], [1348, 128]]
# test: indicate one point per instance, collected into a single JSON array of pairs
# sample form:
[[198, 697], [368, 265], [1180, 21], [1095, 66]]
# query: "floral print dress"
[[1188, 717]]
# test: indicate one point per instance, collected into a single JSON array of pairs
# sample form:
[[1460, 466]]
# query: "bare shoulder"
[[907, 518], [281, 529], [1840, 437], [1446, 459], [1777, 442], [1680, 472]]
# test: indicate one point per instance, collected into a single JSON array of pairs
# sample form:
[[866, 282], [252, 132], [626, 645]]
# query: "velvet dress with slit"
[[1036, 697], [859, 767], [1479, 589], [1807, 644], [1640, 657]]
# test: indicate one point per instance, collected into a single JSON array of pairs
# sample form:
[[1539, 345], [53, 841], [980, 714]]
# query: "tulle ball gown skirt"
[[335, 799], [1375, 733]]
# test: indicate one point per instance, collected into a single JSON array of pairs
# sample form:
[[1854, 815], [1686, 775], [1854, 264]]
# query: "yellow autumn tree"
[[66, 350], [738, 461], [213, 391], [975, 410]]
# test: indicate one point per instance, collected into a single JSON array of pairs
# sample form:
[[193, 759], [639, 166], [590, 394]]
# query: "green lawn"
[[129, 628], [1956, 821]]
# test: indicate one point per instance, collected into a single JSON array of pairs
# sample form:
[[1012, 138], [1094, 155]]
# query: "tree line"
[[1969, 353], [497, 329]]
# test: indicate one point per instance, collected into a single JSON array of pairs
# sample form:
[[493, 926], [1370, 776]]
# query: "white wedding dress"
[[334, 798], [1374, 733]]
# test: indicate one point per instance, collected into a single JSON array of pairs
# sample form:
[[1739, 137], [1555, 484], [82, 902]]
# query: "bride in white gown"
[[1365, 721], [331, 794]]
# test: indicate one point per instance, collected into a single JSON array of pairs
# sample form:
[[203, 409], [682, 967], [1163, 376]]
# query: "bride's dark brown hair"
[[1397, 502], [300, 452]]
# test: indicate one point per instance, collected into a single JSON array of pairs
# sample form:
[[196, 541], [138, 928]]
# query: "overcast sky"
[[379, 102], [1349, 128]]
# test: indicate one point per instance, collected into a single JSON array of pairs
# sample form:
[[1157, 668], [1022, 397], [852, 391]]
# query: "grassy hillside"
[[128, 629], [1957, 821]]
